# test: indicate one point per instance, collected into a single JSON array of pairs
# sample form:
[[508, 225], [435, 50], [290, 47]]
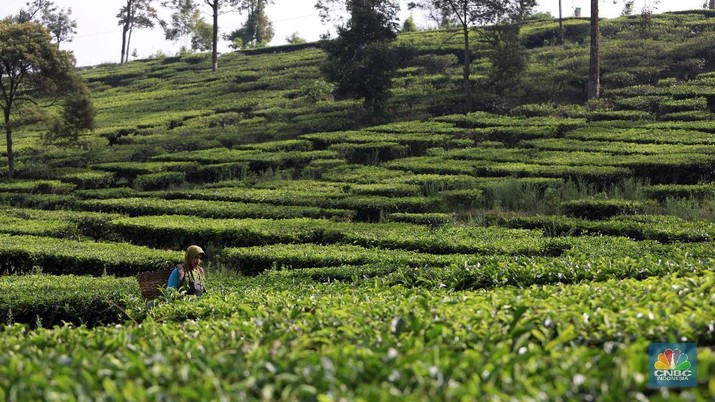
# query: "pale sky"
[[99, 37]]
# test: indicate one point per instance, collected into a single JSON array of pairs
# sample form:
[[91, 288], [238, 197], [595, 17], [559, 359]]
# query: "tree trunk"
[[561, 26], [129, 41], [8, 134], [125, 29], [594, 79], [711, 5], [124, 44], [465, 72], [214, 41]]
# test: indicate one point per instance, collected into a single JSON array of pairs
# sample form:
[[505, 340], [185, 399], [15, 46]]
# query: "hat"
[[193, 251]]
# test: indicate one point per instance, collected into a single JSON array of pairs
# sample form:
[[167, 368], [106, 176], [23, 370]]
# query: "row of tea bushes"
[[527, 271], [643, 135], [49, 300], [664, 229], [36, 187], [23, 254], [256, 260], [173, 231], [210, 209], [368, 207], [294, 340], [491, 312]]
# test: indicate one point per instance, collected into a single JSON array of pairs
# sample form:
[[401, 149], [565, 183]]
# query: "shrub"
[[318, 90], [683, 105], [601, 209], [158, 181], [219, 172], [370, 153]]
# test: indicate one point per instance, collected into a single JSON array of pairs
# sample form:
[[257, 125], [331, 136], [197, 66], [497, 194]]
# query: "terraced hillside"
[[531, 255]]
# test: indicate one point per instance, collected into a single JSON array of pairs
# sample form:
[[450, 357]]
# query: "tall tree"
[[33, 69], [594, 64], [295, 39], [57, 20], [468, 14], [186, 21], [134, 14], [711, 4], [361, 60], [257, 31], [216, 6]]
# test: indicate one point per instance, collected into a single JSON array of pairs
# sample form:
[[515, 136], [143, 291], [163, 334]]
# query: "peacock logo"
[[673, 364], [672, 360]]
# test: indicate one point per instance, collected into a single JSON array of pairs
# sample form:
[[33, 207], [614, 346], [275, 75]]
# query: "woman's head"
[[193, 257]]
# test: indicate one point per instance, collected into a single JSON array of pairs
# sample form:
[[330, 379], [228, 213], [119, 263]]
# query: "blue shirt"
[[174, 279]]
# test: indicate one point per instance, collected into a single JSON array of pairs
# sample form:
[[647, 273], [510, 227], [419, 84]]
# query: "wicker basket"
[[152, 283]]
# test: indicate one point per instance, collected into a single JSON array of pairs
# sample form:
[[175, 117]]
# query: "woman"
[[189, 276]]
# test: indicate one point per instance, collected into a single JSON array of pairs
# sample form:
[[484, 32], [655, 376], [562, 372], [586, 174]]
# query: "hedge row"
[[601, 208], [641, 227], [664, 191], [48, 300], [298, 343], [366, 207], [36, 186], [255, 260], [177, 230], [211, 209], [22, 254]]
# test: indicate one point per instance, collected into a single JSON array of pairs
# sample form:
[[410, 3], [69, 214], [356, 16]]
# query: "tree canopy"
[[257, 31], [186, 21], [469, 14], [135, 14], [362, 60], [33, 70], [57, 20]]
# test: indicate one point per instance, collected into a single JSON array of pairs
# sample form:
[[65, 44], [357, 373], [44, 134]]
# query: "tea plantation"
[[531, 250]]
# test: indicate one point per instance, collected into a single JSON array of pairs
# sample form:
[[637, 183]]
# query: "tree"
[[594, 64], [469, 13], [186, 21], [508, 58], [409, 25], [295, 39], [361, 60], [216, 6], [257, 31], [135, 14], [57, 20], [77, 114], [33, 69], [202, 39], [711, 4]]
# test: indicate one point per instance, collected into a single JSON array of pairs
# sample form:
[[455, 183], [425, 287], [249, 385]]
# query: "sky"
[[99, 37]]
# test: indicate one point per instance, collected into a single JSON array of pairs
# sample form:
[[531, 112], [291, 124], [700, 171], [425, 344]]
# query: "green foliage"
[[49, 300], [362, 60], [23, 254], [508, 59], [295, 39], [257, 31], [77, 116], [33, 68], [318, 90], [211, 209], [452, 254], [601, 209], [158, 181]]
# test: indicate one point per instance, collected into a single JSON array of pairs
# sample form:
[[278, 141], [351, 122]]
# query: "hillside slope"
[[529, 255]]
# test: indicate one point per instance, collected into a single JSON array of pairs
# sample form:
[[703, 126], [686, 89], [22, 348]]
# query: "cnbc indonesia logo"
[[671, 366]]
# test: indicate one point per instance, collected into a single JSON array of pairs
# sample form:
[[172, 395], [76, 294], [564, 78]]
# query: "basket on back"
[[152, 283]]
